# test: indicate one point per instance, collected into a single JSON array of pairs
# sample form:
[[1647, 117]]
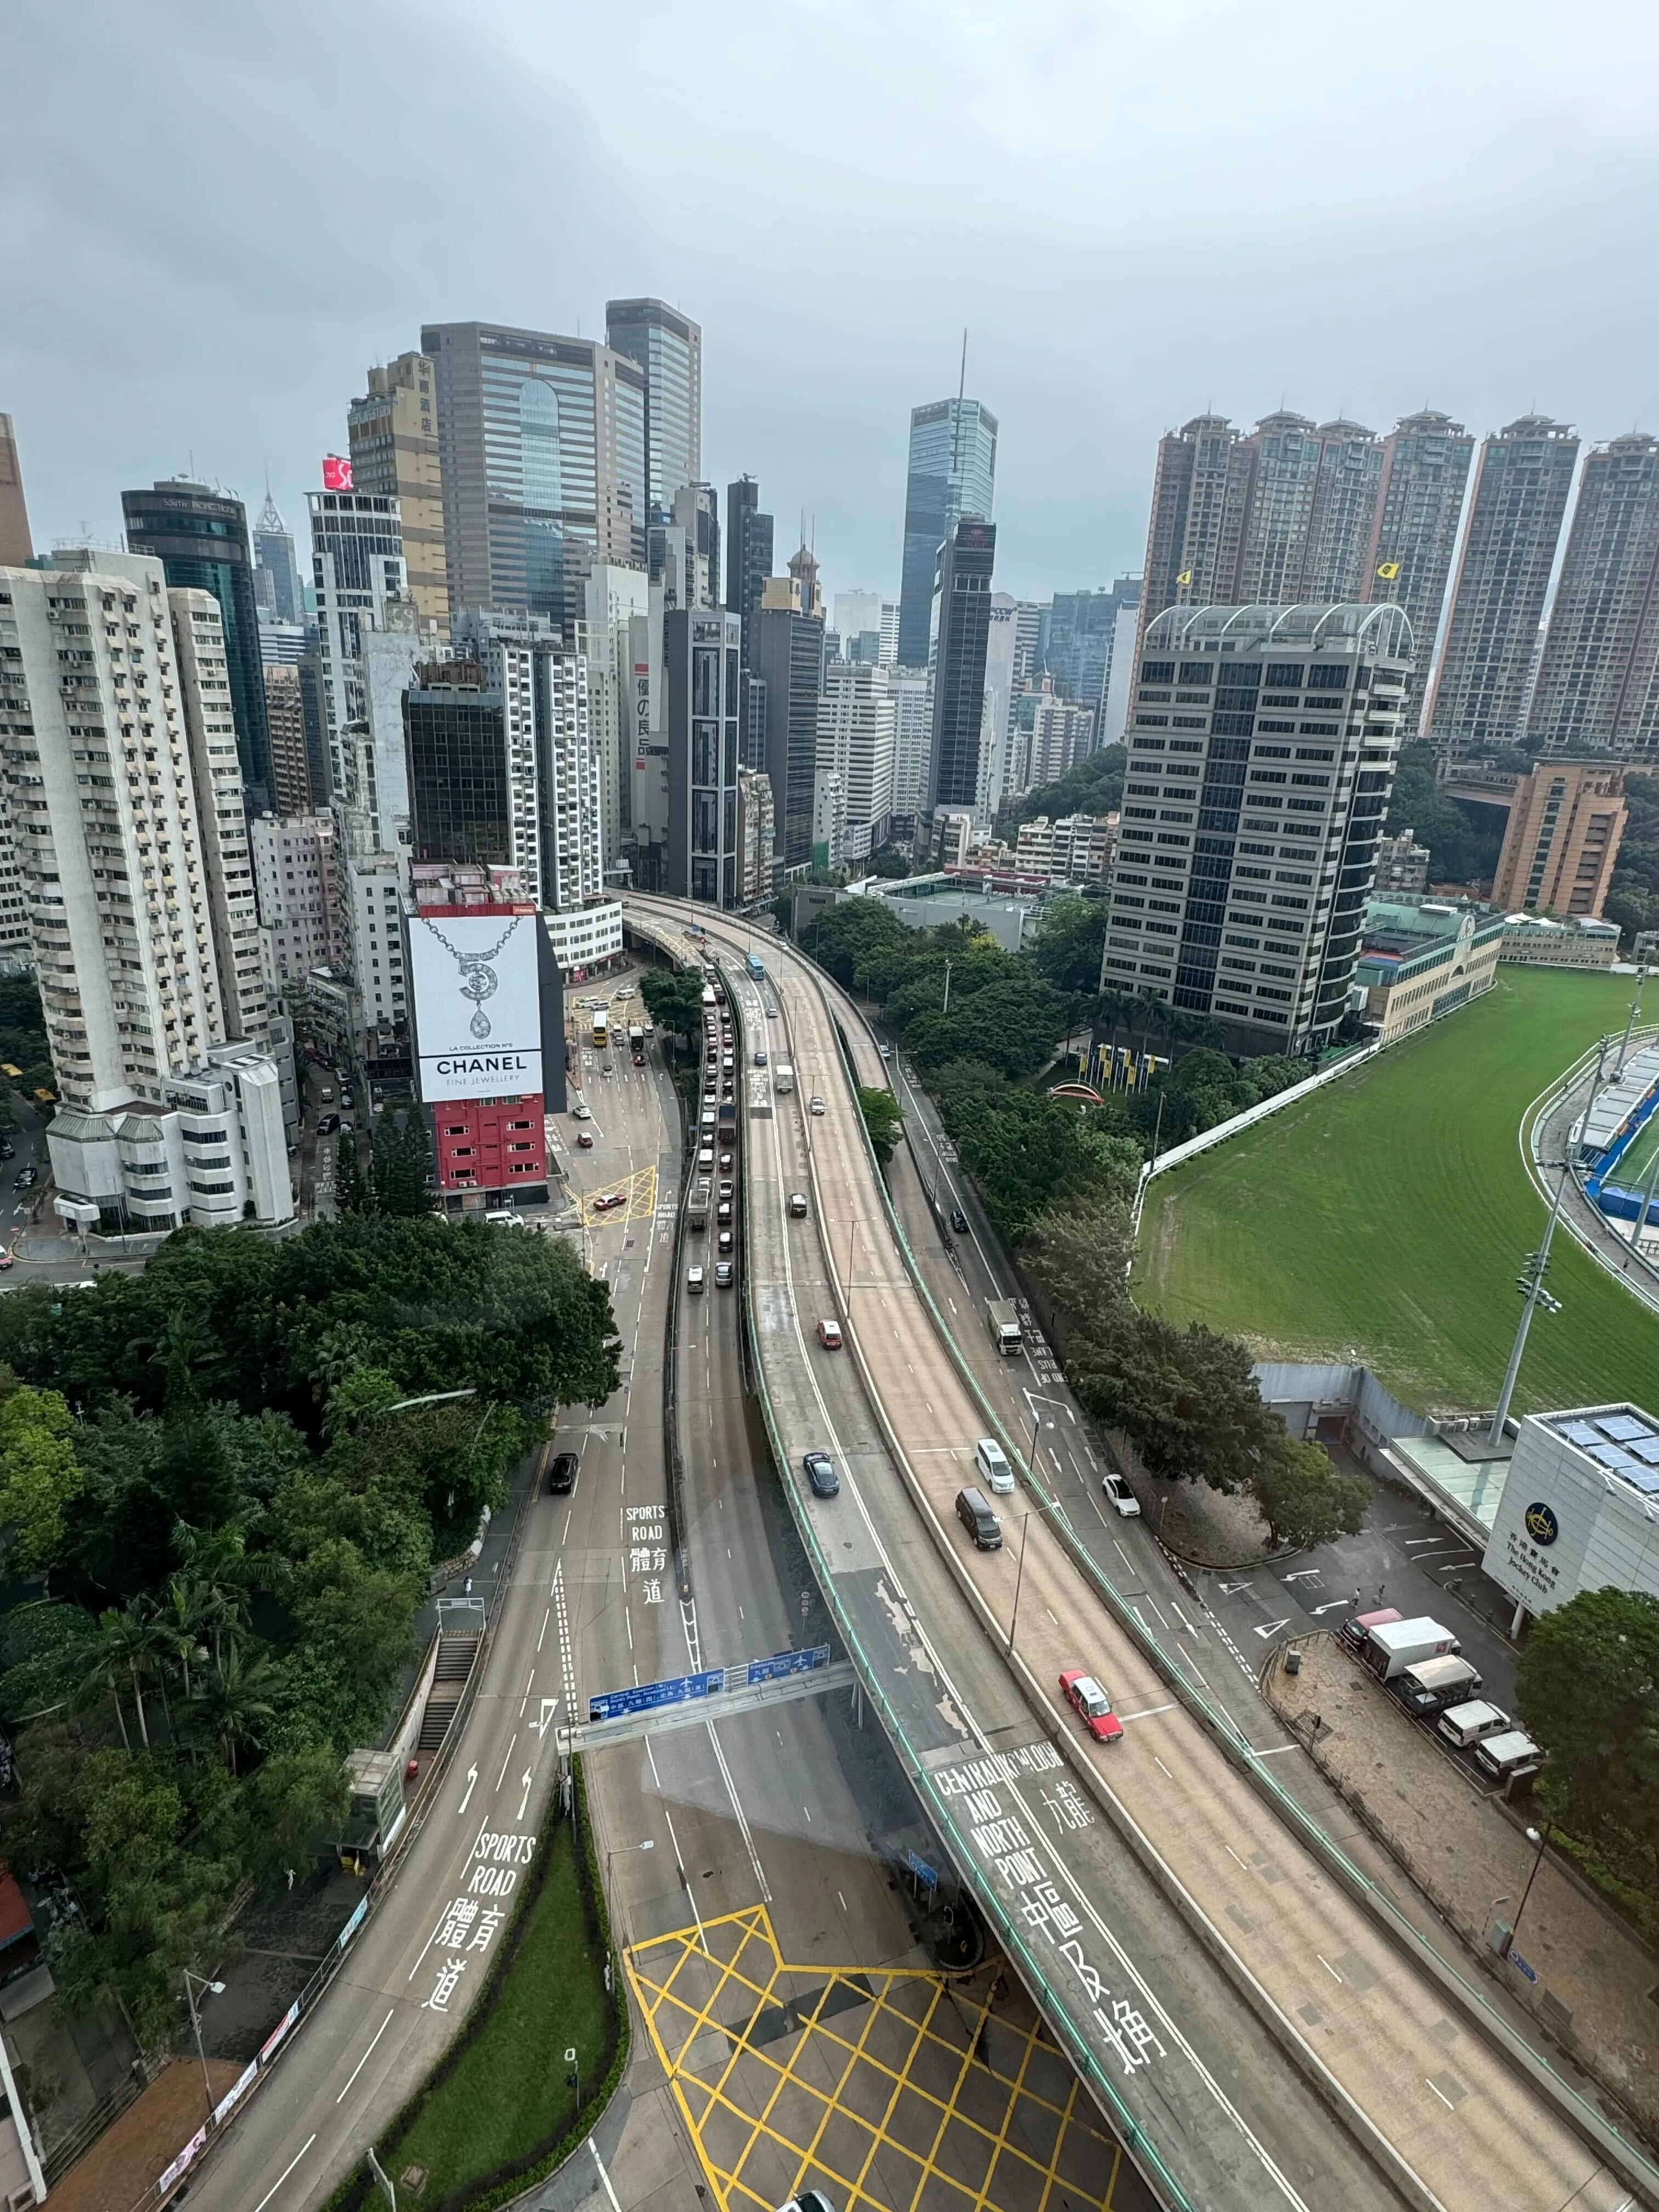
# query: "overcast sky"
[[212, 219]]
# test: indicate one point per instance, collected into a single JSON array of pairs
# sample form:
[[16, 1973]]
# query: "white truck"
[[1433, 1684], [1002, 1315], [1397, 1644], [783, 1079]]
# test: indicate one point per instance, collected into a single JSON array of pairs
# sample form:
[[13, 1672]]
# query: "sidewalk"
[[1471, 1857]]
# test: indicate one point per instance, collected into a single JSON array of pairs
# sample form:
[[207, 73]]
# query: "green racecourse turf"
[[1384, 1219]]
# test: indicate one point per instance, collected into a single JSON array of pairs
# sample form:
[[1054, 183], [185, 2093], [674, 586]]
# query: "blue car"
[[821, 1474]]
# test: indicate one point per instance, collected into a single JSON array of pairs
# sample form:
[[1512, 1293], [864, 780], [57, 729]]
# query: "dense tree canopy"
[[673, 999], [1095, 785], [1463, 845], [882, 1119]]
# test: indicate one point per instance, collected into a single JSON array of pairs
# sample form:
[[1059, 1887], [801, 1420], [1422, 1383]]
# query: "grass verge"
[[1384, 1220]]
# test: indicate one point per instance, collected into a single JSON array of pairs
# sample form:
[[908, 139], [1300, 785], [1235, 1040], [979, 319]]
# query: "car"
[[1092, 1705], [562, 1475], [694, 1280], [829, 1335], [608, 1200], [886, 1051], [809, 2200], [958, 1221], [585, 1139], [817, 1105], [347, 1102], [1120, 1497], [798, 1205], [724, 1275], [581, 1113], [7, 1258], [25, 1179], [723, 1243], [8, 1152], [760, 1059], [821, 1474], [326, 1126]]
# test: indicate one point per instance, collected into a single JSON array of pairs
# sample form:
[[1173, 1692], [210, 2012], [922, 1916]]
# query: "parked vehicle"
[[562, 1475], [1092, 1705], [694, 1281], [1119, 1495], [1003, 1316], [1508, 1757], [1468, 1725], [1398, 1644], [821, 1474], [1433, 1684], [1358, 1626], [829, 1335], [991, 1463], [977, 1518]]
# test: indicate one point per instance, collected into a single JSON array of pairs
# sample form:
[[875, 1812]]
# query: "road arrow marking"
[[1302, 1575], [550, 1706], [1227, 1589], [525, 1799], [1336, 1605], [471, 1779], [1272, 1628]]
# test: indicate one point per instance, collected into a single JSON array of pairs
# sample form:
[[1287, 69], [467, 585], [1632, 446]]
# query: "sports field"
[[1385, 1219]]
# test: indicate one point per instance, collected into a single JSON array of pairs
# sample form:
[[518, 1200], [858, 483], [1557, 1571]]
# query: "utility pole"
[[1530, 1283], [1635, 1009], [1645, 1200]]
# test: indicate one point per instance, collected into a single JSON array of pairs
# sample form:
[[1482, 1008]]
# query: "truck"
[[1398, 1644], [697, 1212], [1433, 1684], [1003, 1316], [756, 967], [783, 1078], [726, 1126], [636, 1036]]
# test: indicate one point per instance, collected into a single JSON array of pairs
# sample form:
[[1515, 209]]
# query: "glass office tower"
[[669, 349], [953, 467]]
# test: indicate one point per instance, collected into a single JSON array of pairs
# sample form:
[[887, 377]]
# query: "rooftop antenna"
[[956, 425]]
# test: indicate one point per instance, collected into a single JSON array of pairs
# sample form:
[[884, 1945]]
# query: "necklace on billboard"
[[479, 981]]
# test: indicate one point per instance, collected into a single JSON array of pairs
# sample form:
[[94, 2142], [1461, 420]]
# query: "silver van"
[[991, 1461]]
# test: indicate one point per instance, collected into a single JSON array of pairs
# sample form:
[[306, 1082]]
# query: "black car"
[[821, 1474], [25, 1179], [327, 1124], [562, 1475], [958, 1221]]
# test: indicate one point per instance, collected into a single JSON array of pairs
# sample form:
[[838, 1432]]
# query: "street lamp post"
[[192, 1982], [1540, 1839], [945, 1008]]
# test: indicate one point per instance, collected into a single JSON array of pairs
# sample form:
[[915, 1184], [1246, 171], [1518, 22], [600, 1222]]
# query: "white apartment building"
[[586, 938], [857, 739], [293, 872], [124, 820], [1261, 761], [358, 570], [1076, 848], [754, 834], [911, 692], [830, 830], [1063, 735]]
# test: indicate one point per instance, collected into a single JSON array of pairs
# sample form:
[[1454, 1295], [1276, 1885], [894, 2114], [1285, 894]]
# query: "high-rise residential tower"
[[1262, 751], [1598, 680], [392, 432], [952, 474], [701, 678], [788, 657], [748, 552], [959, 633], [542, 457], [1426, 474], [1344, 513], [1480, 691], [15, 545], [668, 347], [357, 565], [200, 537], [856, 730], [1566, 823]]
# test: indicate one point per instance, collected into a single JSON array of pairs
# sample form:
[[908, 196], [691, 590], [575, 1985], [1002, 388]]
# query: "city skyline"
[[808, 386]]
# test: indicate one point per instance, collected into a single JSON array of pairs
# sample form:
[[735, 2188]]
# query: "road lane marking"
[[546, 1617], [472, 1782], [524, 1700], [1327, 1965], [507, 1761], [1146, 1711], [604, 2176], [1443, 2098], [284, 2175], [367, 2055], [1234, 1856]]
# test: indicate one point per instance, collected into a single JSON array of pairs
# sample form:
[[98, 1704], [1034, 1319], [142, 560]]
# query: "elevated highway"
[[1226, 1979]]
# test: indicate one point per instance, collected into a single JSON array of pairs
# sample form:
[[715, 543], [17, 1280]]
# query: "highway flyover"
[[1257, 2028]]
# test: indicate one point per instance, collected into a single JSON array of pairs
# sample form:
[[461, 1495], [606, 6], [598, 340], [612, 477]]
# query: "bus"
[[602, 1028], [756, 967]]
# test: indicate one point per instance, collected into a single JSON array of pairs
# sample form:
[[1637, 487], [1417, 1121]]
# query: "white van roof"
[[1475, 1714], [1500, 1750]]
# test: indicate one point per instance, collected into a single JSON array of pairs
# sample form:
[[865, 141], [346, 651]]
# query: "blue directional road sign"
[[649, 1695], [788, 1662]]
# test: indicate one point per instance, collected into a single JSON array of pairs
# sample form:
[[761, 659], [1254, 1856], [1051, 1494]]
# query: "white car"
[[581, 1113], [817, 1105], [1120, 1497]]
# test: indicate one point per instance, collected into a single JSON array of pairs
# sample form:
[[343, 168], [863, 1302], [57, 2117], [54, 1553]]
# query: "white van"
[[1508, 1756], [991, 1462], [1473, 1723]]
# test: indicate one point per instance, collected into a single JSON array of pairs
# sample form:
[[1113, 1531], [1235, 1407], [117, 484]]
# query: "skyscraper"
[[787, 654], [277, 585], [959, 631], [1281, 457], [701, 678], [1344, 514], [669, 349], [15, 545], [952, 473], [290, 770], [856, 732], [912, 732], [1083, 634], [1425, 473], [393, 436], [1480, 691], [357, 561], [1248, 846], [1598, 681], [748, 552], [1566, 823], [541, 456], [200, 537]]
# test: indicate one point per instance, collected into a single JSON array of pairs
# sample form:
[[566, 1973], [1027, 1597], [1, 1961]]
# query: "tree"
[[352, 1193], [286, 1801], [1070, 942], [1587, 1687], [883, 1119], [1079, 1255], [234, 1698], [1186, 1398], [400, 1172], [673, 999], [38, 1471], [889, 862], [1303, 1499], [1095, 785]]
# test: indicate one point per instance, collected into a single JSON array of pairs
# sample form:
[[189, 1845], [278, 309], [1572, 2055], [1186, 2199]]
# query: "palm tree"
[[105, 1665], [185, 1618], [221, 1571], [131, 1640], [234, 1699]]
